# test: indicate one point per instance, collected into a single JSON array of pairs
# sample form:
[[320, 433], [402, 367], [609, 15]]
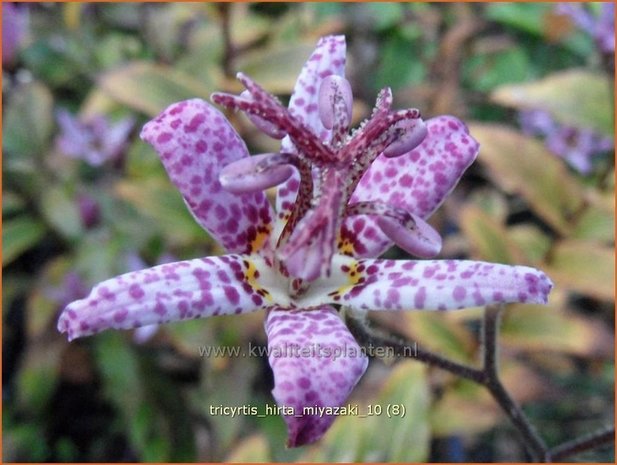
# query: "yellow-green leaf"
[[585, 267], [596, 223], [276, 68], [541, 328], [403, 436], [575, 97], [396, 431], [437, 332], [157, 199], [522, 165], [150, 88], [531, 240], [488, 238], [254, 449]]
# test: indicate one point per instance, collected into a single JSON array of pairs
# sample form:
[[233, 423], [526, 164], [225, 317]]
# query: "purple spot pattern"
[[171, 292], [327, 59], [417, 181], [316, 362], [438, 285], [194, 142]]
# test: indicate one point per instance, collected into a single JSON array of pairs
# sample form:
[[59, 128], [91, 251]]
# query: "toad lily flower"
[[342, 200]]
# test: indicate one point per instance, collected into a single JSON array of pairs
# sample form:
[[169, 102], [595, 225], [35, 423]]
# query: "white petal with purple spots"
[[316, 363], [171, 292], [195, 141], [433, 284], [328, 59], [417, 181]]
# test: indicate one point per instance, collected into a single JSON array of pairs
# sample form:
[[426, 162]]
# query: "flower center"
[[330, 168]]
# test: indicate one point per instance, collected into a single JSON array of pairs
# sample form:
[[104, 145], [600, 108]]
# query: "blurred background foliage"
[[84, 199]]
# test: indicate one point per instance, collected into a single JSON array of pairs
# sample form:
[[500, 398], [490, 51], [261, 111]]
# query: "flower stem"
[[488, 376], [585, 443], [490, 332]]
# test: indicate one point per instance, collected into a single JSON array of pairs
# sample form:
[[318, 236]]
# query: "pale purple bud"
[[413, 131], [335, 101], [256, 173], [262, 124], [417, 238]]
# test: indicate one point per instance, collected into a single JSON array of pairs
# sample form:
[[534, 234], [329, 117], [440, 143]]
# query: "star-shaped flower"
[[342, 200]]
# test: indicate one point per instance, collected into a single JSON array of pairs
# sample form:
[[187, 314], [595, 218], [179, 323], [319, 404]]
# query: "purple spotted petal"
[[327, 59], [194, 141], [316, 363], [417, 181], [437, 284], [171, 292]]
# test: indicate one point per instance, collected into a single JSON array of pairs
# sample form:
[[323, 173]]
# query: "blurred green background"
[[84, 199]]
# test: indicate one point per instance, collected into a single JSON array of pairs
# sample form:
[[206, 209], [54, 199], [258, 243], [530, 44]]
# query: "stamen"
[[409, 134], [257, 173], [269, 108], [410, 232], [262, 124], [335, 102]]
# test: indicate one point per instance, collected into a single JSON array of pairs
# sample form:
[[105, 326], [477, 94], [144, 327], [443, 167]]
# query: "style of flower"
[[577, 146], [94, 140], [342, 200]]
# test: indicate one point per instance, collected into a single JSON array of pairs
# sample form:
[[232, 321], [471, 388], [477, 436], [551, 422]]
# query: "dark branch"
[[406, 350], [586, 443], [488, 376], [490, 332]]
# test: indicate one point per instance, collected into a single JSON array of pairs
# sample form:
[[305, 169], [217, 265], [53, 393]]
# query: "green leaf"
[[488, 237], [596, 223], [11, 203], [466, 409], [276, 68], [531, 240], [62, 212], [28, 120], [157, 199], [489, 70], [396, 431], [403, 438], [575, 97], [385, 15], [522, 165], [38, 375], [438, 332], [18, 235], [150, 88], [585, 267], [538, 328], [528, 17], [393, 71]]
